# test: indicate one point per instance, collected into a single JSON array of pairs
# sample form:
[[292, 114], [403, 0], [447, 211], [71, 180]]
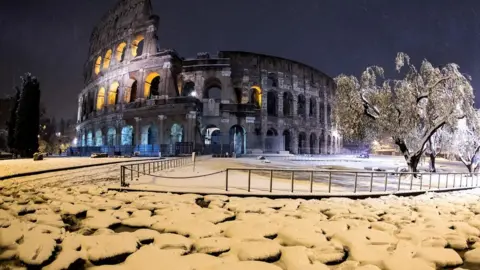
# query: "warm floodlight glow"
[[106, 61], [135, 45], [257, 95], [100, 98], [112, 93], [148, 83], [98, 63], [120, 53]]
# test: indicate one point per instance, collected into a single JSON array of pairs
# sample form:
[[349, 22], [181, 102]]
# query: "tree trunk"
[[412, 163], [469, 168], [433, 156]]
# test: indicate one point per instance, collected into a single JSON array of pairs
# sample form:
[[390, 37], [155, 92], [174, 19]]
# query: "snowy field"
[[15, 166], [69, 220]]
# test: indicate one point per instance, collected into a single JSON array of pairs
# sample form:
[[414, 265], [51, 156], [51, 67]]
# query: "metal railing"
[[147, 168], [358, 181]]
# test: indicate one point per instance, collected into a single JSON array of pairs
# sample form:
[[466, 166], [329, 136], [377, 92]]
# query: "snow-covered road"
[[63, 219]]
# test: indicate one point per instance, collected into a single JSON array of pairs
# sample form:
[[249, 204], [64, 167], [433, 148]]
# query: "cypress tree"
[[12, 122], [28, 117]]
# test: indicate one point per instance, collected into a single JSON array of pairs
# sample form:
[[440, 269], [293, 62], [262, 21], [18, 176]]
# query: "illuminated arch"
[[131, 92], [256, 96], [137, 46], [108, 58], [113, 93], [100, 98], [151, 84], [98, 64], [120, 52]]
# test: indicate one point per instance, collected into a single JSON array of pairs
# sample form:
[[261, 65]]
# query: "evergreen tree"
[[12, 121], [28, 117], [62, 126]]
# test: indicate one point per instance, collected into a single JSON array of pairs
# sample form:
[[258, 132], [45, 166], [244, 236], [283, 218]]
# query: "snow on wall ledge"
[[88, 226]]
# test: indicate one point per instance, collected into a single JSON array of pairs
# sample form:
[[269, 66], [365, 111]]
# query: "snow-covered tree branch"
[[410, 110], [466, 142]]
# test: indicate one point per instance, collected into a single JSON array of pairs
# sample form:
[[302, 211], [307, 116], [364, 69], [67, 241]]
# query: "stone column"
[[295, 106], [317, 113], [307, 144], [161, 121], [150, 41], [117, 141], [280, 105], [307, 107], [137, 131]]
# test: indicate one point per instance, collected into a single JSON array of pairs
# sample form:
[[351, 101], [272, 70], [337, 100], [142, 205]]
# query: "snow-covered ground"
[[70, 219], [15, 166]]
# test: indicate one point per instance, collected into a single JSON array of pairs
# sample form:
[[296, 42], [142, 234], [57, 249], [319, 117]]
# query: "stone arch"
[[111, 136], [272, 132], [302, 143], [98, 137], [272, 80], [149, 135], [212, 89], [131, 91], [287, 140], [107, 59], [301, 105], [189, 89], [313, 143], [152, 83], [176, 133], [329, 144], [212, 135], [120, 52], [127, 135], [100, 98], [272, 103], [98, 65], [321, 143], [137, 46], [113, 93], [312, 112], [238, 139], [287, 104], [256, 96], [90, 138]]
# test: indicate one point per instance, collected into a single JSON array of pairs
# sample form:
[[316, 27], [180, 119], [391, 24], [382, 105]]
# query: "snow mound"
[[99, 221], [300, 236], [188, 227], [200, 261], [296, 258], [212, 245], [172, 241], [67, 259], [36, 249], [257, 250], [472, 256], [441, 257], [101, 248], [246, 265], [151, 257]]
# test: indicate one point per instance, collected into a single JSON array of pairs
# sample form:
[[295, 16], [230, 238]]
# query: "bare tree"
[[466, 142], [440, 142], [410, 109]]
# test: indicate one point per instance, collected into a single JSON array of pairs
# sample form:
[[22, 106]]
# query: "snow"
[[16, 166], [43, 223]]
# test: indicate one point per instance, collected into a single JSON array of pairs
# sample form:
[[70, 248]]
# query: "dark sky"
[[49, 38]]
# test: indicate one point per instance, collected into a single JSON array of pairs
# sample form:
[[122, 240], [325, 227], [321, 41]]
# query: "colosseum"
[[140, 98]]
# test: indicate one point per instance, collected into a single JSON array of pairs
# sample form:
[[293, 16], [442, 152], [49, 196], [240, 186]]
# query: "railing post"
[[461, 179], [386, 181], [446, 182], [421, 182], [311, 182], [476, 179], [293, 179], [131, 172], [249, 178], [430, 182], [271, 180], [454, 180], [399, 180], [371, 181], [329, 182], [226, 179], [121, 176], [355, 183], [411, 180], [149, 168], [439, 180]]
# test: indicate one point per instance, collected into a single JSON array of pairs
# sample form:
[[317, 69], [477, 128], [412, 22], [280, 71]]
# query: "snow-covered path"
[[66, 219]]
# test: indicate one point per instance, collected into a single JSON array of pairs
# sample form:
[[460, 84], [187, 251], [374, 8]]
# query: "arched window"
[[272, 80], [188, 89], [98, 64], [137, 46], [313, 107], [120, 53], [100, 98], [113, 93], [272, 103], [256, 96], [106, 61], [301, 105], [131, 92], [287, 104], [152, 85], [212, 89]]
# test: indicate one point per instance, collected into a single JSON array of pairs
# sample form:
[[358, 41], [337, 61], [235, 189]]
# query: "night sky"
[[49, 38]]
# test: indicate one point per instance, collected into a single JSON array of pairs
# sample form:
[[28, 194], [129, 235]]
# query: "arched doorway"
[[176, 133], [256, 96], [127, 135], [98, 138], [113, 93], [152, 82], [272, 103], [301, 105], [120, 52], [329, 144], [137, 46], [89, 138], [149, 135], [111, 136], [287, 104], [130, 94], [189, 89], [100, 98], [302, 143], [212, 135], [287, 138], [313, 143], [321, 143], [271, 140], [212, 89], [237, 139]]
